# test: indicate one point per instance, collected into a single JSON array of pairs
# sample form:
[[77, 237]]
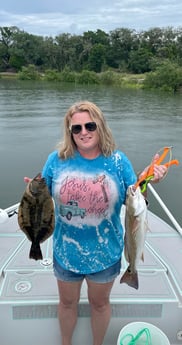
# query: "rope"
[[134, 339]]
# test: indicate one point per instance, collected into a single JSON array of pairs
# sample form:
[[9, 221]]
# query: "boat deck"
[[29, 297]]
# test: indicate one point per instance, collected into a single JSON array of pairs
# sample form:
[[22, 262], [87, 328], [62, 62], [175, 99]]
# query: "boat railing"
[[8, 212], [165, 209]]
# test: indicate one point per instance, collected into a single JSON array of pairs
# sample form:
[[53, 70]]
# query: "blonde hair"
[[67, 147]]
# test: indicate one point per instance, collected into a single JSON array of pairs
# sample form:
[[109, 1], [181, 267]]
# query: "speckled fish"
[[36, 215], [135, 233]]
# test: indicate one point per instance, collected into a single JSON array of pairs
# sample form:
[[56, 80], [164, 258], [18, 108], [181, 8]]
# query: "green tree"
[[122, 42], [151, 40], [75, 51], [168, 48], [50, 53], [96, 58], [29, 73], [93, 42], [179, 46], [168, 77], [63, 51], [140, 61], [26, 49], [6, 42], [87, 77]]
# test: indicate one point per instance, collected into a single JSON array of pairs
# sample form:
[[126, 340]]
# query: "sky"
[[54, 17]]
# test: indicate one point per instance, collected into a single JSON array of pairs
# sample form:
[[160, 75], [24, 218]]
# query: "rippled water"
[[31, 117]]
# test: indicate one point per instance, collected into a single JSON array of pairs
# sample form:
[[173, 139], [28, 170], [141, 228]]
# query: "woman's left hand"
[[159, 170]]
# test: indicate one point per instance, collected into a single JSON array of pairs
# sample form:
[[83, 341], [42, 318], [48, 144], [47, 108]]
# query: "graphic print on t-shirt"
[[84, 196]]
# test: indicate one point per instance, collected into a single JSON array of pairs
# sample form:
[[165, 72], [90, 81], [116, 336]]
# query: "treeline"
[[122, 51]]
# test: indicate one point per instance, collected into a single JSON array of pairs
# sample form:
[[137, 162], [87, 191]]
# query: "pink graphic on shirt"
[[88, 194], [100, 179]]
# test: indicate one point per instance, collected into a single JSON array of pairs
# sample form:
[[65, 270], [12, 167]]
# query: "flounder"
[[36, 215]]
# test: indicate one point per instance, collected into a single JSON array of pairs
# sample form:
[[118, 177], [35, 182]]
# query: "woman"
[[88, 180]]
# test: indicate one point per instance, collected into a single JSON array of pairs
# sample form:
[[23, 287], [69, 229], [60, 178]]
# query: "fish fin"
[[130, 278], [35, 252], [135, 225]]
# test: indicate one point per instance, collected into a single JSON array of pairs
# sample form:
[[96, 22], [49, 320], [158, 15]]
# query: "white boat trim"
[[166, 210]]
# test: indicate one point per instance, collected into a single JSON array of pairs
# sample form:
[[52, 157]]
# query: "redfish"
[[135, 234], [36, 214]]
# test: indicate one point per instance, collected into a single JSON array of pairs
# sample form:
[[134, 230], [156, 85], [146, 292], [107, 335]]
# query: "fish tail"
[[35, 252], [130, 278]]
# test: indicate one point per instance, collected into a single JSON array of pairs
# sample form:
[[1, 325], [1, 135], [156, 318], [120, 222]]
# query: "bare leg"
[[98, 295], [69, 294]]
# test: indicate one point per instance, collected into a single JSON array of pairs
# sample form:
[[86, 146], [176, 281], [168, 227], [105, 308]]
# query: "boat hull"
[[29, 296]]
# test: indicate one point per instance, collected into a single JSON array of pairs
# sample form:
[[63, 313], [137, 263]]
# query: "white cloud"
[[45, 17]]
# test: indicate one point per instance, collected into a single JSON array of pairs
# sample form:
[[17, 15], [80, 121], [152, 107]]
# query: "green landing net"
[[143, 337]]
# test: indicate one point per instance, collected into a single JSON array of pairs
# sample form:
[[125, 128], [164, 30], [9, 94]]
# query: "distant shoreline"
[[8, 74]]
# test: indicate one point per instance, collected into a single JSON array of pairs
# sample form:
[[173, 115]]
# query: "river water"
[[142, 122]]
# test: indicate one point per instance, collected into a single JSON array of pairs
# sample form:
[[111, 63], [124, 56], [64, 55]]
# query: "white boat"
[[29, 297]]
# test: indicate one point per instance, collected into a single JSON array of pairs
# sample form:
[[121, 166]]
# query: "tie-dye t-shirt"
[[88, 195]]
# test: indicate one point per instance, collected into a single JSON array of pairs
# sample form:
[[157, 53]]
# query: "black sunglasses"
[[89, 126]]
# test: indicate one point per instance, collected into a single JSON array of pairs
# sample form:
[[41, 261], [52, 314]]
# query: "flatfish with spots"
[[36, 215]]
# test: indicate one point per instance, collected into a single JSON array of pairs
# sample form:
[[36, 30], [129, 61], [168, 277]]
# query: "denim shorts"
[[105, 276]]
